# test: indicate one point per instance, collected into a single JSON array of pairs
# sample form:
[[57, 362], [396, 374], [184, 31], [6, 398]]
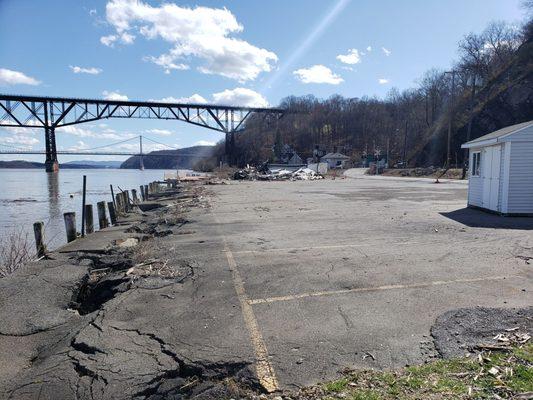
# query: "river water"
[[30, 195]]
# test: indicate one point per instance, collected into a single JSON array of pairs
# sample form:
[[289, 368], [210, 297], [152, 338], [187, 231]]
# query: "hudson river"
[[30, 195]]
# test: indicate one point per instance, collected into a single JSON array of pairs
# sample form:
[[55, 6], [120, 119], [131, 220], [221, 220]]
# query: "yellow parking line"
[[264, 369], [375, 288], [323, 247]]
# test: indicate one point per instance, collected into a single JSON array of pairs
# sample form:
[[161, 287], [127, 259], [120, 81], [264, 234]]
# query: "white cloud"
[[383, 81], [194, 99], [109, 40], [240, 97], [127, 38], [318, 74], [10, 77], [92, 12], [200, 32], [204, 143], [167, 62], [114, 96], [80, 145], [387, 52], [353, 57], [236, 97], [369, 49], [160, 132], [17, 140], [89, 70], [110, 134]]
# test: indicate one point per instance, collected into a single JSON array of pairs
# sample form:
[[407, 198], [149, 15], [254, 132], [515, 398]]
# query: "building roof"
[[336, 155], [494, 137]]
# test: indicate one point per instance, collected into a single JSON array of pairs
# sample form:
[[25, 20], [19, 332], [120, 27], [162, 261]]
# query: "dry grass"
[[504, 374], [14, 251]]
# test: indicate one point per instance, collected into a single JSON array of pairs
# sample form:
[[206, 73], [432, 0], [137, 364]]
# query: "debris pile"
[[252, 174]]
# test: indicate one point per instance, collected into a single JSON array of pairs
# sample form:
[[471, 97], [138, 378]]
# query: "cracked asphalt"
[[272, 284]]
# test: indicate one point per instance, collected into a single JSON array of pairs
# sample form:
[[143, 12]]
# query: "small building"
[[501, 170], [335, 160]]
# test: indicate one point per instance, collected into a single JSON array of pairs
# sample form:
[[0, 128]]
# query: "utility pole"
[[450, 120], [469, 127], [405, 146], [141, 161]]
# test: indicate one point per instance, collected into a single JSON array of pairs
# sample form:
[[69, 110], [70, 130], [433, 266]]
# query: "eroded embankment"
[[98, 323]]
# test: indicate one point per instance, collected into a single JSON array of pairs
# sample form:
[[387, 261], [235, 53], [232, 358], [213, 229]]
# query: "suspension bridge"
[[55, 112], [106, 150]]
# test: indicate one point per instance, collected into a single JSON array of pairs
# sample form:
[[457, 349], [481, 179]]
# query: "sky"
[[241, 52]]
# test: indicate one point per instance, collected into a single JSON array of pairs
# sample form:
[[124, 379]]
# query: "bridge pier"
[[51, 164]]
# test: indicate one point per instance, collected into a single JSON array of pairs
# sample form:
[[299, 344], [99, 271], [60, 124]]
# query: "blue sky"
[[235, 52]]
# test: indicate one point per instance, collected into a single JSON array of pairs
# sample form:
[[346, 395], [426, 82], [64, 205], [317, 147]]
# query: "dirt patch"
[[430, 172], [462, 331]]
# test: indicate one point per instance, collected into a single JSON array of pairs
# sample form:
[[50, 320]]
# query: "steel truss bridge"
[[55, 112]]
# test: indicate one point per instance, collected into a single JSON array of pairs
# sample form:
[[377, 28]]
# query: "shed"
[[501, 170], [335, 160]]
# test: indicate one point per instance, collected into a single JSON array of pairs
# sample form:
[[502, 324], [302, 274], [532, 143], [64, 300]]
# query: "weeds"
[[493, 374], [14, 251]]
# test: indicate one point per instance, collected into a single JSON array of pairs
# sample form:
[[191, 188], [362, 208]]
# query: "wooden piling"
[[38, 231], [146, 192], [123, 202], [118, 203], [102, 219], [134, 198], [89, 221], [143, 196], [70, 225], [113, 196], [112, 214], [128, 200], [83, 197]]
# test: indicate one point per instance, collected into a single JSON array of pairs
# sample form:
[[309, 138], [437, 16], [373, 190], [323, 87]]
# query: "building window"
[[476, 163]]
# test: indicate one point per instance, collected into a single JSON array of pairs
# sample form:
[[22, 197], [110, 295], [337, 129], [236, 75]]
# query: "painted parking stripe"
[[375, 288]]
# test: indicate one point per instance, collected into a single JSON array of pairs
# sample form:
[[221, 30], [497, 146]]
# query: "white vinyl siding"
[[504, 177], [523, 134], [520, 192]]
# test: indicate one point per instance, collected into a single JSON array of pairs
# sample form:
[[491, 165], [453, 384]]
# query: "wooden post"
[[112, 214], [143, 196], [118, 203], [124, 202], [127, 199], [84, 193], [102, 219], [38, 231], [89, 221], [146, 192], [113, 196], [70, 225], [134, 196]]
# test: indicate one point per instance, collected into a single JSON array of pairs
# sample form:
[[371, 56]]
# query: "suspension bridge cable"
[[163, 144], [113, 144]]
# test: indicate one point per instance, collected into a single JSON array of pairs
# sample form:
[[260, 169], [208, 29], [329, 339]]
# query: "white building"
[[335, 160], [501, 170]]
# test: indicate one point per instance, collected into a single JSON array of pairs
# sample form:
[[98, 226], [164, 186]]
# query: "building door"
[[490, 174]]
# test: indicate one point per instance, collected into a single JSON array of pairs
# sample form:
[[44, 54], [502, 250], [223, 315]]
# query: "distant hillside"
[[20, 164], [97, 164], [506, 98], [184, 158], [37, 165]]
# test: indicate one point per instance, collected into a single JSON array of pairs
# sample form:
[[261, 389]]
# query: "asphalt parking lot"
[[353, 272]]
